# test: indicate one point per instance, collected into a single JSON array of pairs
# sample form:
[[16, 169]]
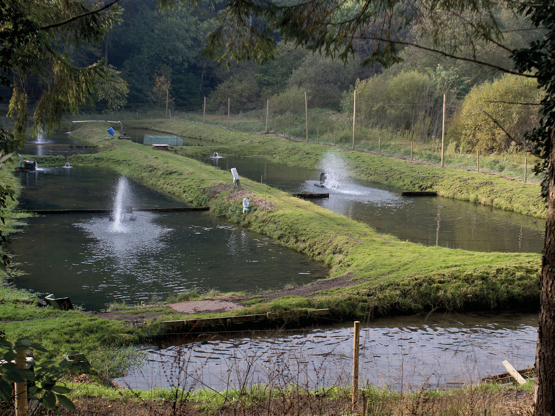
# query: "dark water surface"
[[426, 220], [89, 259], [441, 350], [56, 143]]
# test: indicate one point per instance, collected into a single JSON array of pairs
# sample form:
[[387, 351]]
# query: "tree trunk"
[[545, 349]]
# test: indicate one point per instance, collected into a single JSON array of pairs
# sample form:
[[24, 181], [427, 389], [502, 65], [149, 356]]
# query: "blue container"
[[111, 131]]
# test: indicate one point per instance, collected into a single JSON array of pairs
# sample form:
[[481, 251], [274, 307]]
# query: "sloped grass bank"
[[482, 188], [391, 276]]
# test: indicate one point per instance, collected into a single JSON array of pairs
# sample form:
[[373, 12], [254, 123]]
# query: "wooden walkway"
[[225, 323]]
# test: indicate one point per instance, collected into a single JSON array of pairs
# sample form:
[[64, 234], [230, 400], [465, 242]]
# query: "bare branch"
[[500, 126], [79, 16], [447, 55], [512, 103]]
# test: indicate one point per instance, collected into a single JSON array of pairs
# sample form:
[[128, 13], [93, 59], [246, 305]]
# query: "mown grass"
[[389, 276]]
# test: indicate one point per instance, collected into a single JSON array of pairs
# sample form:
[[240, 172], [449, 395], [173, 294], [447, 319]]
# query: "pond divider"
[[94, 211], [418, 193], [243, 321], [311, 195]]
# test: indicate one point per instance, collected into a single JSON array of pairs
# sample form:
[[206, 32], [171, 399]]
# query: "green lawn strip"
[[482, 188], [393, 276]]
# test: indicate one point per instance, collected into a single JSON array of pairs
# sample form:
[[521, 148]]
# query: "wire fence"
[[347, 130]]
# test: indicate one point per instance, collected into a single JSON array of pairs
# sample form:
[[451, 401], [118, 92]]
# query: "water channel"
[[441, 350], [430, 221]]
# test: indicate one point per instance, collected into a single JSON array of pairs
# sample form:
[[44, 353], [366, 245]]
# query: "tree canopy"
[[35, 39]]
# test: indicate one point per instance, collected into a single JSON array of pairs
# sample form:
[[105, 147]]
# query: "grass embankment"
[[389, 276], [487, 189]]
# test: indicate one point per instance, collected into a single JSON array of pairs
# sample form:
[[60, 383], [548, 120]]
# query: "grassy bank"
[[477, 187], [385, 275]]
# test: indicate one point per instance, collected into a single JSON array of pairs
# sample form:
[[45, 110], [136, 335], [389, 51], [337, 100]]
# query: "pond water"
[[441, 350], [426, 220], [95, 261], [56, 143]]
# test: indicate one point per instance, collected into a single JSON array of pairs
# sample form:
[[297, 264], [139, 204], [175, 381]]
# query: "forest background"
[[157, 62]]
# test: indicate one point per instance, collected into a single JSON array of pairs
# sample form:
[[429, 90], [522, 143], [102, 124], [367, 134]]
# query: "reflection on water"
[[89, 259], [403, 353], [429, 221], [55, 143]]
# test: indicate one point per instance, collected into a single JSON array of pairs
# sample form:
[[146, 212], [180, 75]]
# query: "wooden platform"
[[507, 378], [311, 195], [417, 193], [99, 211], [224, 323]]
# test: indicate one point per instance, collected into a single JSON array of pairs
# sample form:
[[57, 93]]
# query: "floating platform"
[[417, 193], [507, 378], [100, 211], [311, 195], [226, 323]]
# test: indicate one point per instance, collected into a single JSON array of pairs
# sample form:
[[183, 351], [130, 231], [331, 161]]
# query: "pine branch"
[[80, 16]]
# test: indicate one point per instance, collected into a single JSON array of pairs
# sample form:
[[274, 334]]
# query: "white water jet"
[[121, 199], [40, 135], [336, 170]]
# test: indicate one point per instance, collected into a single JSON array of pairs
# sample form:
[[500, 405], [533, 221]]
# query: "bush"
[[491, 118]]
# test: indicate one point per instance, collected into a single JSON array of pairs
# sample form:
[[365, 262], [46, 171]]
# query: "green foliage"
[[324, 79], [113, 362], [44, 32], [242, 90], [403, 102], [538, 60], [184, 296], [113, 91], [291, 100], [494, 114], [45, 377]]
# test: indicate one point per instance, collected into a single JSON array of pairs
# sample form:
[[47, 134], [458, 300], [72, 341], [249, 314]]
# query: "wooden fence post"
[[21, 388], [525, 168], [354, 115], [356, 348], [267, 107], [443, 135], [306, 115], [204, 111], [411, 151], [334, 137], [228, 108], [379, 145], [478, 160]]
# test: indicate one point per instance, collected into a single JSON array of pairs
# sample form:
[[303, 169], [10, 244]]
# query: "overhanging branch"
[[79, 16]]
